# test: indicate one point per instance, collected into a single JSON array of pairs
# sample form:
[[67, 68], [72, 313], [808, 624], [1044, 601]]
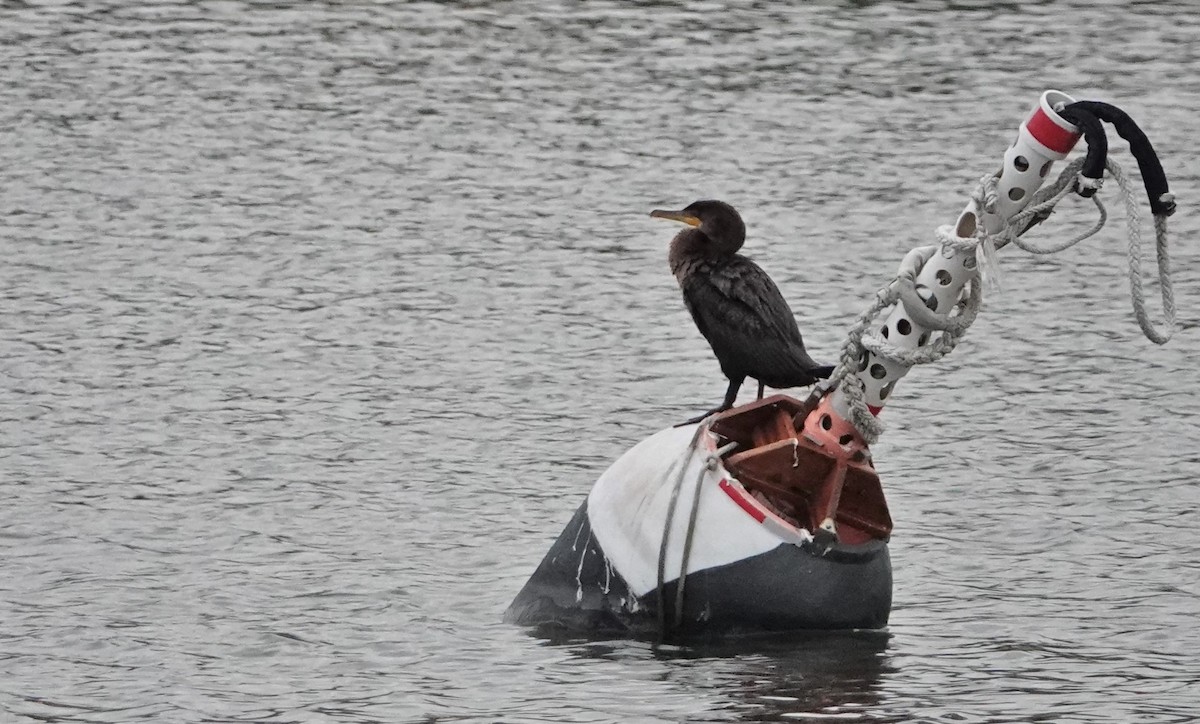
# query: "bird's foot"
[[701, 418]]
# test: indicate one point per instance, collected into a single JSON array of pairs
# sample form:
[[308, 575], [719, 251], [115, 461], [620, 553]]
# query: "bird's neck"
[[692, 248]]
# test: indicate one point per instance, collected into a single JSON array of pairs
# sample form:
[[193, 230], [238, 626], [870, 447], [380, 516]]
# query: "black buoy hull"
[[791, 587], [575, 587]]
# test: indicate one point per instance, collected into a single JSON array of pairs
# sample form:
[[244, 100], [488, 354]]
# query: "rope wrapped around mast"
[[954, 324]]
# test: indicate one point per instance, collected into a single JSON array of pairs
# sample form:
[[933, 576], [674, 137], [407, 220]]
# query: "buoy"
[[740, 535], [770, 516]]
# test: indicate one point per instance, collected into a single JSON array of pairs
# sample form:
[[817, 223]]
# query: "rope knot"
[[987, 193]]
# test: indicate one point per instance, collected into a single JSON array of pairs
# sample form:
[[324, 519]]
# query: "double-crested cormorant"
[[737, 307]]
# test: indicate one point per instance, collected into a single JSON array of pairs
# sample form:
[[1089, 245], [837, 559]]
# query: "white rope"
[[1135, 265], [954, 325]]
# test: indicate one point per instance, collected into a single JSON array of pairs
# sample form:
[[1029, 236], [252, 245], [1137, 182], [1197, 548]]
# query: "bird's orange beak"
[[676, 216]]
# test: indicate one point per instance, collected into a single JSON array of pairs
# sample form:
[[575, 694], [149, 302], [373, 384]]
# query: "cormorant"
[[736, 306]]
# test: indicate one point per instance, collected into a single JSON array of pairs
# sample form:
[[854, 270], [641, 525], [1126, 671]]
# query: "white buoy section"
[[1043, 138]]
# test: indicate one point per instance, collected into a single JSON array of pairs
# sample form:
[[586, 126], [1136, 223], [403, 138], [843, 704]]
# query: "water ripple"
[[309, 307]]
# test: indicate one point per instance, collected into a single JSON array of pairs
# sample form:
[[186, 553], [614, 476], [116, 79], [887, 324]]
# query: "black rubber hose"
[[1097, 144], [1162, 203]]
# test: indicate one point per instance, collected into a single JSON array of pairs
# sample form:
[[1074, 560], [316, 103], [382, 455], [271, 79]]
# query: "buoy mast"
[[1044, 137]]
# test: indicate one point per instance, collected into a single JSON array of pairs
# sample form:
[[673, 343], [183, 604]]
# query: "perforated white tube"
[[1043, 138]]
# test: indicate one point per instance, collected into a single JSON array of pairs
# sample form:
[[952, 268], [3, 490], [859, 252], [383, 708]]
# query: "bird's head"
[[716, 220]]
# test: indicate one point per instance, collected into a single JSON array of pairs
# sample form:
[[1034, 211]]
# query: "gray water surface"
[[320, 319]]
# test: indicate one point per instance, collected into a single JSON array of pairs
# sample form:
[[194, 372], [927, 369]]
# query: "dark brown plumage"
[[736, 306]]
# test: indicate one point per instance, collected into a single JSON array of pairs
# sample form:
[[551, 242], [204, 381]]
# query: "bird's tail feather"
[[822, 372]]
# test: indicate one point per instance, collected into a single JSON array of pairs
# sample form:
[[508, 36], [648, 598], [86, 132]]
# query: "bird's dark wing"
[[745, 318]]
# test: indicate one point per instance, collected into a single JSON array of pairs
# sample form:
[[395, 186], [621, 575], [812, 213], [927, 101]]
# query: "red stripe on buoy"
[[744, 504], [1048, 133]]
